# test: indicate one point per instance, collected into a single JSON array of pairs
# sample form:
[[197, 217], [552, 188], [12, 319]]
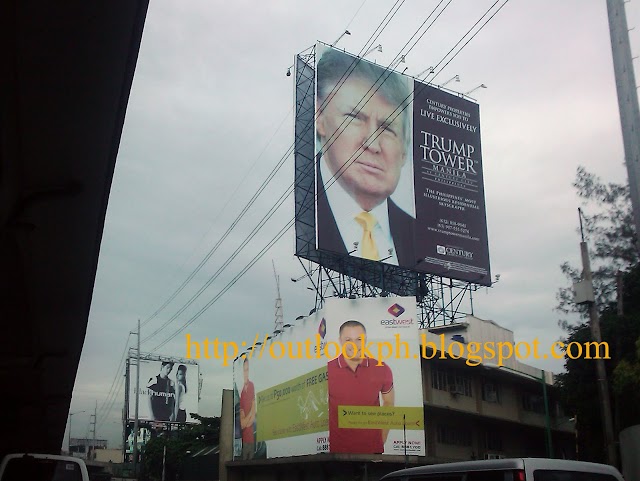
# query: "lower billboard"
[[345, 380], [168, 391], [144, 435]]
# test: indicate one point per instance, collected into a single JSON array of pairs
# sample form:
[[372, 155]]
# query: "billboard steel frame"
[[441, 300]]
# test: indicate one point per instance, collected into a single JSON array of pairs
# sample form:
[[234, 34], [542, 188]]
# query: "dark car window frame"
[[45, 469]]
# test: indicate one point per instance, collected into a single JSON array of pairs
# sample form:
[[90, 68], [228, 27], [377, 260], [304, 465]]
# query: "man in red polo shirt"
[[247, 413], [357, 380]]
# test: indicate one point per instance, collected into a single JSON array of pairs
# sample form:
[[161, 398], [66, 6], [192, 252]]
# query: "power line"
[[392, 12], [288, 192], [290, 223], [117, 374], [467, 33], [105, 414], [224, 208]]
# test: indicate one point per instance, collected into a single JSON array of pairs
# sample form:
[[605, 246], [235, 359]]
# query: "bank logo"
[[396, 310], [322, 328], [442, 250]]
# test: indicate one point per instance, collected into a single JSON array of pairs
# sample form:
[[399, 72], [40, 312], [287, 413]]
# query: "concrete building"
[[472, 410], [84, 447]]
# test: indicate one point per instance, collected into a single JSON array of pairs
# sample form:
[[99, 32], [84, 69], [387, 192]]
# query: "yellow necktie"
[[369, 249]]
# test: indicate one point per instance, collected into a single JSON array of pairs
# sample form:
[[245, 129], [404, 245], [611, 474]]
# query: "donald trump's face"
[[363, 144]]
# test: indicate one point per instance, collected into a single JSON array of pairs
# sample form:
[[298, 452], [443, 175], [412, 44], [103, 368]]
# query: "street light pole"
[[69, 435]]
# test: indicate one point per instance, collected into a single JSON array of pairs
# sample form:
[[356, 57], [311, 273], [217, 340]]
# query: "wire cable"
[[105, 414], [290, 223], [115, 377], [224, 208], [355, 14], [390, 15], [288, 191]]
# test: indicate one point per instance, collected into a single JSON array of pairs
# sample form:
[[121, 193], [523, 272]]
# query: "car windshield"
[[36, 469]]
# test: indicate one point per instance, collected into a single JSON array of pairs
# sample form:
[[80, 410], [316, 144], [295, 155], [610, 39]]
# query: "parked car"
[[42, 467], [517, 469]]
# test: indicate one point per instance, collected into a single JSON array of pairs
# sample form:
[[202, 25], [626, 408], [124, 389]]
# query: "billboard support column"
[[135, 423]]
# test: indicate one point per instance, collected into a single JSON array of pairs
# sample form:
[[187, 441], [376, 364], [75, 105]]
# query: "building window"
[[460, 383], [453, 436], [439, 380], [533, 403], [452, 381], [493, 441], [490, 392]]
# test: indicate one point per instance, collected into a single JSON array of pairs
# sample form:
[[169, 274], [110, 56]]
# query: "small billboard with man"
[[345, 380], [375, 381]]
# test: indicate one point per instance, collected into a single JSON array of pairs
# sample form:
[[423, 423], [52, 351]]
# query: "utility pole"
[[584, 295], [125, 412], [135, 422], [620, 312], [95, 423], [627, 100], [279, 313]]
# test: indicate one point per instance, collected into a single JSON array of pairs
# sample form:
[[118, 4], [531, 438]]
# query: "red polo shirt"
[[361, 387], [246, 400]]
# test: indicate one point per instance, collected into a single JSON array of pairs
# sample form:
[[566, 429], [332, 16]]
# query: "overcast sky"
[[209, 117]]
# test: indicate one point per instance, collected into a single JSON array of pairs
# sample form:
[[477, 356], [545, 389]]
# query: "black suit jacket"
[[402, 227]]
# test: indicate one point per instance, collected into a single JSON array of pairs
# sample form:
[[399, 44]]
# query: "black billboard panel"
[[451, 228]]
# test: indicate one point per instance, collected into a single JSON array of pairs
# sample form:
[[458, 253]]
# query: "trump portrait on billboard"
[[365, 203]]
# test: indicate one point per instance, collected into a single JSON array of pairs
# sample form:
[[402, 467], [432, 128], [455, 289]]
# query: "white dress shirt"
[[345, 209]]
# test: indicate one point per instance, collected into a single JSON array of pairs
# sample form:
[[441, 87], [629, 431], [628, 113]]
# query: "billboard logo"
[[396, 310], [454, 252], [322, 328]]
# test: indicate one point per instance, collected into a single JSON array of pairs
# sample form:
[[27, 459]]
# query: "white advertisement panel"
[[281, 395], [346, 379], [375, 398], [168, 391]]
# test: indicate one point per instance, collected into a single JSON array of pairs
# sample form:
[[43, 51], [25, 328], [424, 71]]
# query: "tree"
[[188, 438], [608, 229], [610, 235]]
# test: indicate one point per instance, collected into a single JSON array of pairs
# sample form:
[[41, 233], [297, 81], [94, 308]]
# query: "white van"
[[42, 467], [518, 469]]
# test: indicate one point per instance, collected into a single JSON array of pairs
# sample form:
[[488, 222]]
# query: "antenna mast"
[[279, 314]]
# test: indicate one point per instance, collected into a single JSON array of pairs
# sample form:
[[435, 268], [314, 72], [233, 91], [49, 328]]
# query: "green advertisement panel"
[[381, 417], [295, 407]]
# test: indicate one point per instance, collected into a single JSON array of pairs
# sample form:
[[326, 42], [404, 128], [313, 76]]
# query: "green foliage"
[[180, 443], [610, 234], [626, 375]]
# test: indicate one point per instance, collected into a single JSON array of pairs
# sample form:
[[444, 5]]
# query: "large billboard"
[[398, 171], [168, 391], [345, 380]]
